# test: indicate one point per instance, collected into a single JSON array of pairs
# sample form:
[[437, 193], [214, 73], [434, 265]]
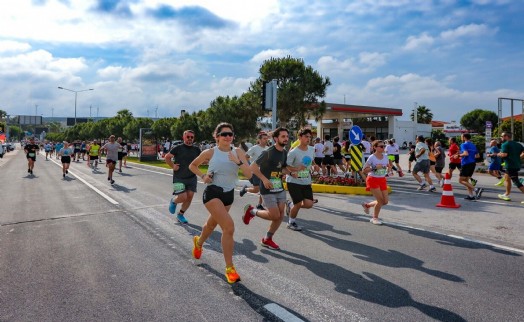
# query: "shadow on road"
[[367, 287]]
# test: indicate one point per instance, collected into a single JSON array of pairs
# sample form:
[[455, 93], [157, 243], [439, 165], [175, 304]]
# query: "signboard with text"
[[147, 145]]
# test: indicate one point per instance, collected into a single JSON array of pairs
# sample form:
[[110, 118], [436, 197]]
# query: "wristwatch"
[[240, 163]]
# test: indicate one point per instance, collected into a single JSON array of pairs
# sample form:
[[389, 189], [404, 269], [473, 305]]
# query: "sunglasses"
[[190, 137], [224, 134], [379, 146]]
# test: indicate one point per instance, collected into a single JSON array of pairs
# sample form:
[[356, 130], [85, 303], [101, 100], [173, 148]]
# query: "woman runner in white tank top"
[[218, 196]]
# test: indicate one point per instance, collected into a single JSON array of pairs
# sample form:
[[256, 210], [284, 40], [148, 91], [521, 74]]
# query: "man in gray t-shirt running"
[[111, 149]]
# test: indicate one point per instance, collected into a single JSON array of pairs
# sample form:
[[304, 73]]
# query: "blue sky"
[[156, 57]]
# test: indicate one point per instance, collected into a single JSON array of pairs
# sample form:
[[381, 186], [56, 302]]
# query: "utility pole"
[[156, 110]]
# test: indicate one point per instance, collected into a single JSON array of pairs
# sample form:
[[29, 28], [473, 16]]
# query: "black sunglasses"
[[190, 137], [226, 134], [380, 146]]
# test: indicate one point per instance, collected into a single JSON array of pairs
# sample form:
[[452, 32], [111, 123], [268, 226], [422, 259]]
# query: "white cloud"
[[367, 62], [419, 42], [10, 46], [267, 54], [471, 30]]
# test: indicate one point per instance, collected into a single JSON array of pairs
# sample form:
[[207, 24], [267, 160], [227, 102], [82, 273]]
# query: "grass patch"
[[163, 164]]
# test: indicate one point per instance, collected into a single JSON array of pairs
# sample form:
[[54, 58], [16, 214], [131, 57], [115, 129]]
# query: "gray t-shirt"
[[112, 150], [298, 157], [441, 159], [425, 155]]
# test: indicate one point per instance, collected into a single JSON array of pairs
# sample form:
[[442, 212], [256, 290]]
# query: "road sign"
[[489, 125], [355, 134], [356, 158]]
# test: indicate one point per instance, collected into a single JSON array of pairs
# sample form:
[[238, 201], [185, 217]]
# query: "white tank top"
[[225, 171]]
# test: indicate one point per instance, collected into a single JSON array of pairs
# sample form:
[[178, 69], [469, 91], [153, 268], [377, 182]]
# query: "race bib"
[[276, 181], [303, 174], [31, 154], [178, 188], [381, 172]]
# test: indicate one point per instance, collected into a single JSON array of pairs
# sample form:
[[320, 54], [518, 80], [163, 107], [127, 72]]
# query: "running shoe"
[[28, 170], [478, 192], [315, 200], [269, 243], [112, 181], [470, 198], [294, 226], [400, 174], [63, 175], [409, 171], [422, 186], [260, 207], [504, 197], [288, 207], [366, 208], [67, 171], [433, 189], [473, 182], [246, 218], [232, 275], [197, 250], [181, 219], [120, 170], [243, 191], [375, 221], [500, 183], [172, 206]]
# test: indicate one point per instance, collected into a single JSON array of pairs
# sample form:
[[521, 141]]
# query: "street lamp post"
[[76, 93]]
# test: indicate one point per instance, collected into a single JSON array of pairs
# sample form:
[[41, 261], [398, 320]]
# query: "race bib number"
[[303, 174], [381, 172], [31, 154], [178, 188], [276, 182]]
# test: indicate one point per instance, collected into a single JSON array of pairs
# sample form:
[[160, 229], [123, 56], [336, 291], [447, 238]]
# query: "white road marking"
[[281, 313], [111, 200]]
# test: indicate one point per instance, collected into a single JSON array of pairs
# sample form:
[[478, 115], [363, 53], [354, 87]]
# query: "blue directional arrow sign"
[[355, 134]]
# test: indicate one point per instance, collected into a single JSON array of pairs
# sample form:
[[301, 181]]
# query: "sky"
[[158, 57]]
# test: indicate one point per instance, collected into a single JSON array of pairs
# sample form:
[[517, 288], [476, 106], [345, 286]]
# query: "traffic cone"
[[447, 200]]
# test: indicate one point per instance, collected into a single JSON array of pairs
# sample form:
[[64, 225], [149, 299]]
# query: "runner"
[[346, 152], [83, 150], [252, 155], [48, 148], [58, 147], [65, 156], [494, 163], [319, 156], [300, 161], [111, 149], [337, 156], [468, 152], [122, 151], [77, 145], [269, 167], [376, 168], [393, 150], [184, 181], [454, 159], [440, 158], [327, 162], [511, 153], [411, 153], [31, 149], [93, 154], [221, 178], [422, 165]]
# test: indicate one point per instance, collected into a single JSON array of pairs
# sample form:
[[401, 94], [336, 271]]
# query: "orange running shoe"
[[197, 250], [232, 275]]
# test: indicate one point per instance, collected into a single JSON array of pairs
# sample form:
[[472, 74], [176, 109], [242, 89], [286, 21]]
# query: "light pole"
[[76, 92]]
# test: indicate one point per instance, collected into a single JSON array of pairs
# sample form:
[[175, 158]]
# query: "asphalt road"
[[81, 249]]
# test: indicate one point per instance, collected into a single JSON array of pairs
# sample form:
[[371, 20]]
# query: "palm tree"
[[424, 115]]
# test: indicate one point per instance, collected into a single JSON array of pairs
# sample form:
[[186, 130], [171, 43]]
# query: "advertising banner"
[[147, 145]]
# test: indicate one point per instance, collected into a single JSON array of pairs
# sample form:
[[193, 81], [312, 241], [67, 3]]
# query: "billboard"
[[29, 120], [71, 120], [147, 145]]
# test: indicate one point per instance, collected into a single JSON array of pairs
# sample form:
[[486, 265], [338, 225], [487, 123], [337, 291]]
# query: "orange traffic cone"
[[447, 200]]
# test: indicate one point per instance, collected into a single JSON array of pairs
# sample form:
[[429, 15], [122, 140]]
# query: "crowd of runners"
[[272, 165]]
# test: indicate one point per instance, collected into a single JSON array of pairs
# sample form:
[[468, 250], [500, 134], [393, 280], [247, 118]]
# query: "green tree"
[[55, 137], [475, 120], [132, 129], [424, 115], [186, 122], [506, 127], [162, 127], [55, 127], [15, 132], [3, 114], [299, 88], [234, 110]]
